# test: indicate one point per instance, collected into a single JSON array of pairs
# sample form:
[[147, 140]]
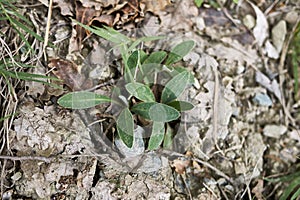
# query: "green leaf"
[[168, 137], [179, 51], [142, 109], [134, 60], [140, 91], [147, 73], [157, 135], [176, 86], [235, 1], [125, 127], [156, 57], [181, 106], [198, 3], [138, 55], [82, 100], [156, 111], [163, 113]]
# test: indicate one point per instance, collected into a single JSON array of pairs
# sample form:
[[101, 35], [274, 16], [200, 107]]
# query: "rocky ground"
[[243, 130]]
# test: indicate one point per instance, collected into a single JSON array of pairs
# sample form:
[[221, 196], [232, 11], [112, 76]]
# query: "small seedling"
[[149, 94]]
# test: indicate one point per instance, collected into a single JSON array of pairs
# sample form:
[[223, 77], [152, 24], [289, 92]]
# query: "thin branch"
[[18, 158], [47, 27]]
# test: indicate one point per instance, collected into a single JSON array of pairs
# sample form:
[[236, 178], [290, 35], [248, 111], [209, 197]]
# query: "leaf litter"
[[228, 132]]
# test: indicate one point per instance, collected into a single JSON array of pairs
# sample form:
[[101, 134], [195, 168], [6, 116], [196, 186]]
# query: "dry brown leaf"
[[65, 6], [155, 6], [258, 189], [98, 4], [272, 86], [68, 72], [103, 19], [180, 165], [85, 16]]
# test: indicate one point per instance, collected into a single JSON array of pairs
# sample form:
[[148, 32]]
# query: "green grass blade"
[[143, 39], [107, 33], [5, 117], [28, 30], [287, 192], [15, 13], [296, 194], [29, 77]]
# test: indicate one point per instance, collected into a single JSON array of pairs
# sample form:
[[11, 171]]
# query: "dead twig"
[[215, 108], [183, 177], [47, 28], [219, 172], [204, 163], [18, 158]]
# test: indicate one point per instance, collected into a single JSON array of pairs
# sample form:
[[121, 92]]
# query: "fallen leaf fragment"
[[155, 6], [274, 131], [69, 73], [260, 31], [272, 86], [271, 50], [278, 35], [65, 6], [258, 189], [85, 16], [180, 165]]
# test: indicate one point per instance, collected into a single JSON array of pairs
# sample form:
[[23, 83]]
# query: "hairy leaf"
[[156, 57], [156, 111], [140, 91], [157, 135], [181, 106], [163, 113], [176, 86], [168, 137], [142, 109], [134, 61], [138, 55], [125, 127], [179, 51], [82, 100]]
